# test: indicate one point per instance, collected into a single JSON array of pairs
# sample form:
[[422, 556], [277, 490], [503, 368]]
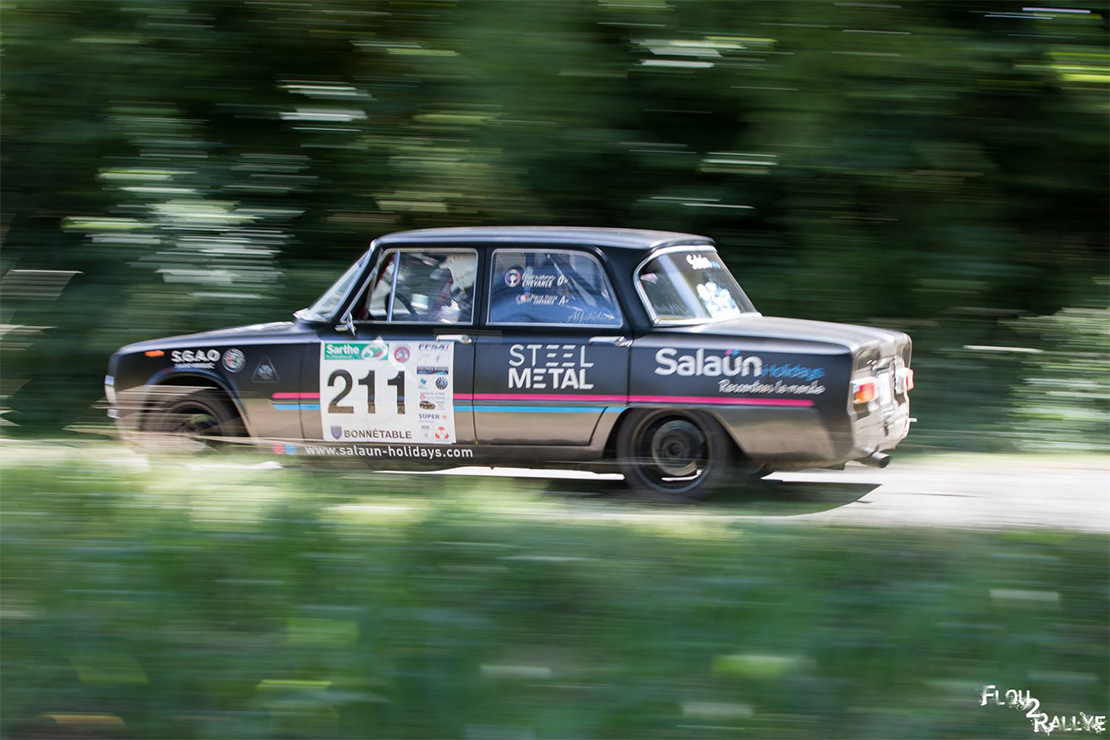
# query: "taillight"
[[863, 391], [909, 379]]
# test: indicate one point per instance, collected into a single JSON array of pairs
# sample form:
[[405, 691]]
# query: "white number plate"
[[387, 392], [885, 382]]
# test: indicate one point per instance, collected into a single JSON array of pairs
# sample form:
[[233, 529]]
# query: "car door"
[[405, 376], [554, 356]]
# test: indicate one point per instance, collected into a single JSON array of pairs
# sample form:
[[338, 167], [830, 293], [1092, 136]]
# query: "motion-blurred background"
[[938, 167], [179, 165]]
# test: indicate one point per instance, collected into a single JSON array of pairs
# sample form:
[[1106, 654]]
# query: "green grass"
[[200, 600]]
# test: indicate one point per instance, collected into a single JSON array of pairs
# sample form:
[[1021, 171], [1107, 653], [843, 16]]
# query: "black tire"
[[196, 422], [673, 455]]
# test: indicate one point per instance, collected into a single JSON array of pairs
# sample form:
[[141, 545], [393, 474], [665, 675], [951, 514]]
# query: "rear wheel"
[[674, 456], [197, 422]]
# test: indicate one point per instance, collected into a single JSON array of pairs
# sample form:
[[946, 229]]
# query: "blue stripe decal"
[[297, 406], [540, 409]]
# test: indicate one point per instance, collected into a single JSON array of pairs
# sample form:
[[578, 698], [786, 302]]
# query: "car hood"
[[755, 326], [273, 331]]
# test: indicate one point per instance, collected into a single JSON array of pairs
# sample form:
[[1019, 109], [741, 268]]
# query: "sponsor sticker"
[[234, 360], [717, 300], [549, 366], [698, 262], [739, 374], [265, 372], [195, 359], [355, 350], [410, 452]]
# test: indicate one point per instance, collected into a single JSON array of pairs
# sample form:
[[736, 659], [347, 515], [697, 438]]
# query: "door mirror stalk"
[[346, 324]]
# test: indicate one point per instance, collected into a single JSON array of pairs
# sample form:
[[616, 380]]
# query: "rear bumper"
[[883, 422]]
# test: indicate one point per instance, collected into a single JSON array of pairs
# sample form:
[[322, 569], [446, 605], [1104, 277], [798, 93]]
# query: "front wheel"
[[196, 422], [672, 455]]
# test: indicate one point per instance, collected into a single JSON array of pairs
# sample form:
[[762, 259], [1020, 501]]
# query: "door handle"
[[615, 341], [460, 338]]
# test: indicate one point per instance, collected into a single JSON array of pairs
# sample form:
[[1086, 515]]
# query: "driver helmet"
[[463, 268]]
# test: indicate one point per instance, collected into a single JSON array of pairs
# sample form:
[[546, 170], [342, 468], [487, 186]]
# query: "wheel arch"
[[196, 380], [610, 447]]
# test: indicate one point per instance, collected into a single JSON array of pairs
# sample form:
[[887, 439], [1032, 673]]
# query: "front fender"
[[160, 379]]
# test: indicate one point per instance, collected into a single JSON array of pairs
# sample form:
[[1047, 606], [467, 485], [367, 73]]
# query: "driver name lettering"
[[548, 366], [529, 279], [532, 280], [541, 299]]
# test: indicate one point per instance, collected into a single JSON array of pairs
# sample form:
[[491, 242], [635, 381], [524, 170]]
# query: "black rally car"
[[535, 346]]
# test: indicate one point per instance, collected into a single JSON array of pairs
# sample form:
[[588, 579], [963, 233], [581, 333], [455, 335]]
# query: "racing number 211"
[[398, 382]]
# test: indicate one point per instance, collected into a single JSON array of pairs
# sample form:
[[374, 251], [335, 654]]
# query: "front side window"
[[552, 287], [691, 285], [425, 287]]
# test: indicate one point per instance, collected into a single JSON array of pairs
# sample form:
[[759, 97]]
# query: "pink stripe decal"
[[723, 401], [295, 395], [545, 397], [693, 400]]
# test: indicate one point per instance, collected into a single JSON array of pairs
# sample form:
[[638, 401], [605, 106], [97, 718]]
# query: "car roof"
[[641, 239]]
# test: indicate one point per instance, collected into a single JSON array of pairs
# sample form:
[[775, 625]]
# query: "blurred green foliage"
[[1067, 384], [213, 600], [218, 600], [933, 166]]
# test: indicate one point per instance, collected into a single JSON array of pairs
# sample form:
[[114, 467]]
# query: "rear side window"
[[550, 287], [691, 285]]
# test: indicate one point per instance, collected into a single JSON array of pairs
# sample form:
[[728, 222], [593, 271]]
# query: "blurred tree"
[[201, 164]]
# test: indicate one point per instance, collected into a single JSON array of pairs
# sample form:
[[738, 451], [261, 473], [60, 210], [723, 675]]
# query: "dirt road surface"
[[1061, 492], [961, 491]]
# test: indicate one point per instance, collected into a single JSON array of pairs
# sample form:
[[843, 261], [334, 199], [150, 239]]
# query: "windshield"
[[691, 285], [323, 308]]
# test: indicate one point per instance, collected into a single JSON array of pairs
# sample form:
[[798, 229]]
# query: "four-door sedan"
[[534, 346]]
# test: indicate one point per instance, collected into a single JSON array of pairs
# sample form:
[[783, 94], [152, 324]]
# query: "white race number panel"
[[387, 392]]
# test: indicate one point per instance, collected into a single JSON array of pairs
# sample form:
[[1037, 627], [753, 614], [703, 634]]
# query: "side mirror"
[[346, 324]]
